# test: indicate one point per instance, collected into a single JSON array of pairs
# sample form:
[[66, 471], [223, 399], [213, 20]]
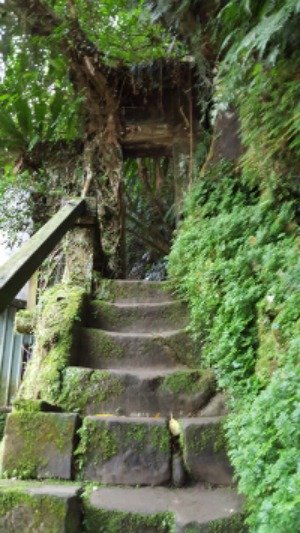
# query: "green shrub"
[[235, 259]]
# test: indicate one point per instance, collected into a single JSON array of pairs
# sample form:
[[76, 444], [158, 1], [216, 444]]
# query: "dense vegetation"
[[235, 256]]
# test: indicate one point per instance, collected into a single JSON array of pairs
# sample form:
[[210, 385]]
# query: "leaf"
[[9, 128], [24, 117]]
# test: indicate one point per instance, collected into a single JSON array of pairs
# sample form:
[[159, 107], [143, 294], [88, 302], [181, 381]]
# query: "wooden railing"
[[25, 261]]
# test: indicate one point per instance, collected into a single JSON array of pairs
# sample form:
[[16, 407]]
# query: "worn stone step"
[[137, 317], [132, 291], [39, 445], [146, 391], [124, 451], [163, 510], [205, 450], [35, 507], [105, 349]]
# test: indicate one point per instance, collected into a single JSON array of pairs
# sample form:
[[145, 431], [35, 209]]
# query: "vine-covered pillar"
[[81, 248]]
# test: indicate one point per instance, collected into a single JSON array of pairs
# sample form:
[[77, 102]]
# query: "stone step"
[[205, 450], [105, 349], [163, 510], [124, 451], [36, 507], [39, 445], [137, 317], [132, 291], [145, 391]]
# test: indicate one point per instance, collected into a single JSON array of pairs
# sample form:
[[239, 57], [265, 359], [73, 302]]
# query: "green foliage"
[[2, 423], [265, 440], [236, 260], [58, 314]]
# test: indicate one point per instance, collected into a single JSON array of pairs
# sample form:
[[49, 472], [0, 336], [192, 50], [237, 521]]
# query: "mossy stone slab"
[[38, 445], [120, 450], [138, 317], [188, 510], [204, 450], [38, 508], [142, 391], [131, 291], [106, 349]]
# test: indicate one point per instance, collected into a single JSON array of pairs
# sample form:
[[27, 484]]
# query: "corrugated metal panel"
[[11, 356]]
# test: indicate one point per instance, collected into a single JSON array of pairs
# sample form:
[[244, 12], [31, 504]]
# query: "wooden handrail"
[[25, 261]]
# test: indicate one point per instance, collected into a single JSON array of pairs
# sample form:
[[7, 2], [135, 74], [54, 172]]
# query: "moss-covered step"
[[31, 507], [138, 317], [162, 510], [106, 349], [124, 451], [181, 391], [130, 291], [204, 450], [38, 445]]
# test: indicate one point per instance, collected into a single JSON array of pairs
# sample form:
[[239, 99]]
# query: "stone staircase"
[[135, 419]]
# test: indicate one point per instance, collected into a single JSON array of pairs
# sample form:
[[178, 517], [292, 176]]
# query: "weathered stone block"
[[33, 508], [119, 450], [38, 445], [204, 447], [145, 391], [140, 317], [105, 349], [130, 291]]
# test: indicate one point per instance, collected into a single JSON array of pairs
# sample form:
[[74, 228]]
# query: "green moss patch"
[[58, 314], [38, 445], [102, 520], [189, 382], [197, 438], [232, 524], [21, 510], [186, 351], [84, 390], [95, 441], [25, 321]]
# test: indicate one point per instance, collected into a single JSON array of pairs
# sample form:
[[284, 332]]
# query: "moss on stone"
[[189, 382], [160, 438], [29, 406], [95, 439], [106, 521], [84, 389], [33, 432], [140, 433], [111, 290], [184, 349], [25, 321], [232, 524], [58, 313], [199, 438], [101, 346], [17, 507]]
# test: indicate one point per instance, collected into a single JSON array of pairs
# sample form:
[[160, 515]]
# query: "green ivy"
[[236, 260]]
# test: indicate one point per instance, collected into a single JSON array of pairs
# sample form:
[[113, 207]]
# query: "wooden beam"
[[22, 264]]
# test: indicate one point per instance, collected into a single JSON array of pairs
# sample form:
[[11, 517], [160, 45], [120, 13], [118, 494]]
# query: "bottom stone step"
[[163, 510], [39, 507]]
